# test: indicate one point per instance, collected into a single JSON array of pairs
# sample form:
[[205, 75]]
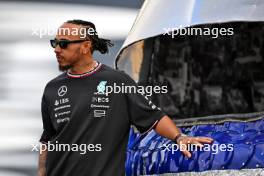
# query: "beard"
[[65, 67]]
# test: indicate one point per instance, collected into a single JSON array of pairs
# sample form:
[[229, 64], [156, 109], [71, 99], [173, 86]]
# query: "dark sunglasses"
[[64, 43]]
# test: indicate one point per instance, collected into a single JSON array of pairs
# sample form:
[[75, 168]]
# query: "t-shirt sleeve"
[[143, 114], [48, 130]]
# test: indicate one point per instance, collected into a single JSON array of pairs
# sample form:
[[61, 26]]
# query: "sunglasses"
[[64, 43]]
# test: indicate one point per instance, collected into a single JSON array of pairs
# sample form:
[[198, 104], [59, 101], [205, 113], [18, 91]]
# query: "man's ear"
[[87, 47]]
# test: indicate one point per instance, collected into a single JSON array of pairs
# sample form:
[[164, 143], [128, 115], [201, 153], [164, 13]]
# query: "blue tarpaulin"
[[237, 145]]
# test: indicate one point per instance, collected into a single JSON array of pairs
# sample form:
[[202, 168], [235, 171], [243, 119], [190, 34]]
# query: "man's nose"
[[57, 49]]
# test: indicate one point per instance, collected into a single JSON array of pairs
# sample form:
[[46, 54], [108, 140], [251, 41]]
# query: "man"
[[77, 111]]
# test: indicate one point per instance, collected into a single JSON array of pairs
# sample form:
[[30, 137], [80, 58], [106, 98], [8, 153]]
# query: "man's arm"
[[42, 162], [167, 128]]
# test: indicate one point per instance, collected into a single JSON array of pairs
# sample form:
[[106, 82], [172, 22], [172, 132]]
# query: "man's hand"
[[166, 127], [185, 141]]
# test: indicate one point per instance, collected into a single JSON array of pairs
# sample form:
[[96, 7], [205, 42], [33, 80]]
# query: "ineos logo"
[[62, 91]]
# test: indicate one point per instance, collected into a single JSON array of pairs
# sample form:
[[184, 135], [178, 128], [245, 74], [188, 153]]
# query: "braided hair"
[[98, 44]]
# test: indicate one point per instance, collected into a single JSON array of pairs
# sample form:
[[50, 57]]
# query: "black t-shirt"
[[86, 128]]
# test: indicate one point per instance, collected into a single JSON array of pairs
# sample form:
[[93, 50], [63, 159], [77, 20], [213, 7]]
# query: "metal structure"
[[215, 83]]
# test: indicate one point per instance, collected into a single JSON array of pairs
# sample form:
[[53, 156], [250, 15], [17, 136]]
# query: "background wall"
[[28, 63]]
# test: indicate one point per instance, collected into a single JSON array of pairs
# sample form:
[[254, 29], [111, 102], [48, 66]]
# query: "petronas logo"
[[101, 87]]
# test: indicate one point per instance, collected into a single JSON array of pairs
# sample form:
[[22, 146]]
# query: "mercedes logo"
[[62, 91]]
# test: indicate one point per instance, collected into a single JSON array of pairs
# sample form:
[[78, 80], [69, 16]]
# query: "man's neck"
[[83, 67]]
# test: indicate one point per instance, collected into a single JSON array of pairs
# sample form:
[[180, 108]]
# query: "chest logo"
[[62, 91], [101, 87]]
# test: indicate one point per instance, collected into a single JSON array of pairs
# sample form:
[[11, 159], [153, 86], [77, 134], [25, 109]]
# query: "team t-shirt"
[[86, 128]]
